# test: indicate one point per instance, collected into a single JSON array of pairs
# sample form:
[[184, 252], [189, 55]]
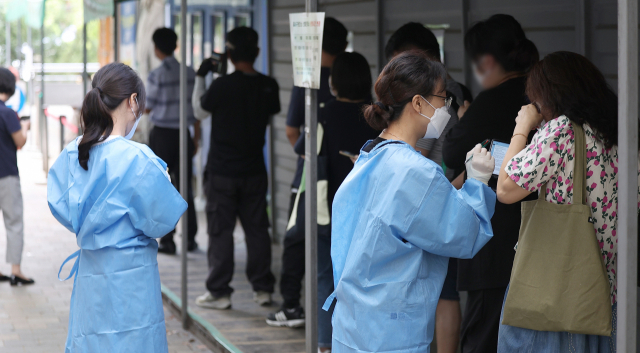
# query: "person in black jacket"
[[345, 130], [241, 106], [501, 57]]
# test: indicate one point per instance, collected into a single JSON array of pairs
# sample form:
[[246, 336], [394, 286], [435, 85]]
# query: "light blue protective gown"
[[396, 221], [116, 209]]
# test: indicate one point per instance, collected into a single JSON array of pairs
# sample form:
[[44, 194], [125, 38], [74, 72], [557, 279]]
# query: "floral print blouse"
[[550, 158]]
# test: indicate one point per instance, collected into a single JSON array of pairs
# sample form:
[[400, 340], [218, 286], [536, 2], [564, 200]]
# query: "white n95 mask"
[[438, 122], [135, 124]]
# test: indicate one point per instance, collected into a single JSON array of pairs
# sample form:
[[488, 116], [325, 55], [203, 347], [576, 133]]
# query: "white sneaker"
[[262, 298], [208, 301]]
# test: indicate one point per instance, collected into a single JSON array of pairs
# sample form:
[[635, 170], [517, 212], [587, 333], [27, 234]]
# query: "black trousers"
[[165, 143], [293, 265], [481, 320], [228, 199]]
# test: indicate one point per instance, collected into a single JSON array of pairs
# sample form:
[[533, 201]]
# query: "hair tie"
[[99, 89], [382, 106]]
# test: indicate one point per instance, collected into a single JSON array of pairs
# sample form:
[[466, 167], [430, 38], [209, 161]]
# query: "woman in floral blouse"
[[566, 89]]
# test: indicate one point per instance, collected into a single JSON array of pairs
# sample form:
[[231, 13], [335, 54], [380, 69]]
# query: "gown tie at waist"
[[74, 269]]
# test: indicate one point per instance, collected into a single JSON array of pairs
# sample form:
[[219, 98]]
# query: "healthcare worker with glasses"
[[397, 219], [115, 195]]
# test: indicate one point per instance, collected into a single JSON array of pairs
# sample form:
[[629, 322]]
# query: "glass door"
[[242, 20], [197, 40], [219, 32]]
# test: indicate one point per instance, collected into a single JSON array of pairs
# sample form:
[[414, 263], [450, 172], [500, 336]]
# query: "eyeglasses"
[[447, 101]]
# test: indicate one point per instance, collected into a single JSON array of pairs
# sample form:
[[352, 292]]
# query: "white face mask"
[[135, 125], [480, 77], [438, 122]]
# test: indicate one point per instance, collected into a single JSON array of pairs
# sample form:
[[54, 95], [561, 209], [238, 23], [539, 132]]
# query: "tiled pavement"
[[244, 325], [34, 318]]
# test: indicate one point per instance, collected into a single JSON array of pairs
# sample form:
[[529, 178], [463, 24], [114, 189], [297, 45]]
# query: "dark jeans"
[[293, 268], [481, 320], [165, 143], [228, 198]]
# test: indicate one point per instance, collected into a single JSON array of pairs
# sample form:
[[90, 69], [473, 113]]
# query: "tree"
[[63, 23]]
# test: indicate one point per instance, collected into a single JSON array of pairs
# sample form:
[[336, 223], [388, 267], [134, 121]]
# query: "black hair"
[[334, 36], [111, 85], [413, 35], [405, 76], [351, 76], [566, 83], [242, 44], [7, 81], [166, 40], [502, 37]]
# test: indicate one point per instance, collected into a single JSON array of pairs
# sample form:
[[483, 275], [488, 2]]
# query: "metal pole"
[[464, 26], [62, 133], [115, 32], [627, 174], [380, 58], [84, 60], [43, 119], [31, 81], [184, 130], [311, 211], [19, 38], [7, 30]]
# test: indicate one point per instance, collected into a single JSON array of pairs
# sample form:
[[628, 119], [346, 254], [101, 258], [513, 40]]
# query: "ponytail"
[[111, 85], [100, 126]]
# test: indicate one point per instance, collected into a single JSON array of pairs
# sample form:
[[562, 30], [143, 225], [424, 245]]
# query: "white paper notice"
[[306, 47]]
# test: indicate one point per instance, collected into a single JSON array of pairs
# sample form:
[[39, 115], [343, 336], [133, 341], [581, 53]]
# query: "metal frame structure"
[[627, 147], [184, 130], [311, 210], [627, 175]]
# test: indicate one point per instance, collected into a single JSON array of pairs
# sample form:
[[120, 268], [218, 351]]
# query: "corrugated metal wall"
[[583, 26], [358, 16]]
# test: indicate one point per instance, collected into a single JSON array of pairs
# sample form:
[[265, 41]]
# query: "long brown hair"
[[111, 85], [566, 83]]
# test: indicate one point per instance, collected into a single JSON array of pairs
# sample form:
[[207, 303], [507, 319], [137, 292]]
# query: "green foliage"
[[63, 23]]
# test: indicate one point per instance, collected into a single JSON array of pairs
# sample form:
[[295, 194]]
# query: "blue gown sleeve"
[[58, 190], [155, 206], [453, 223]]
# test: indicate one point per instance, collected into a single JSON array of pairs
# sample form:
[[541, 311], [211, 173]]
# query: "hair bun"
[[524, 54], [378, 115]]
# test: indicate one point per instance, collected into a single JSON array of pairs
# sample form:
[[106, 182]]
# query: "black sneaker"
[[167, 248], [287, 318]]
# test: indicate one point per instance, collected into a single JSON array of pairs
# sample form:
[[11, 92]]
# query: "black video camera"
[[219, 63]]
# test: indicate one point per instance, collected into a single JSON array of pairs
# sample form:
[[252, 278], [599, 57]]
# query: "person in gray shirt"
[[163, 106]]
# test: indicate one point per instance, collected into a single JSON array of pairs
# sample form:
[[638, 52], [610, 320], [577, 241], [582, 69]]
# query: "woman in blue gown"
[[115, 195], [397, 219]]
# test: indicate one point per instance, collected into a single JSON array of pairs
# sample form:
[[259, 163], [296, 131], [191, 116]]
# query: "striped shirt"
[[163, 94]]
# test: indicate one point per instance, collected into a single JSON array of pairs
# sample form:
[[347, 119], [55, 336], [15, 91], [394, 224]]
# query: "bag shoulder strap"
[[579, 167]]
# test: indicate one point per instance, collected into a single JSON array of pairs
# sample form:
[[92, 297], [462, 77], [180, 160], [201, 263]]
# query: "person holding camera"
[[163, 106], [241, 105]]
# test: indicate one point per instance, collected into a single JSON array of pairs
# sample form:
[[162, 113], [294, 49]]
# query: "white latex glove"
[[481, 166]]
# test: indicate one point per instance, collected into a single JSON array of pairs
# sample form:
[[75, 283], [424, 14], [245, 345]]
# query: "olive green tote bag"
[[559, 281]]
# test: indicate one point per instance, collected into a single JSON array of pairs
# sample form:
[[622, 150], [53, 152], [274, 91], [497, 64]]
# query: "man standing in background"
[[163, 106], [241, 105]]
